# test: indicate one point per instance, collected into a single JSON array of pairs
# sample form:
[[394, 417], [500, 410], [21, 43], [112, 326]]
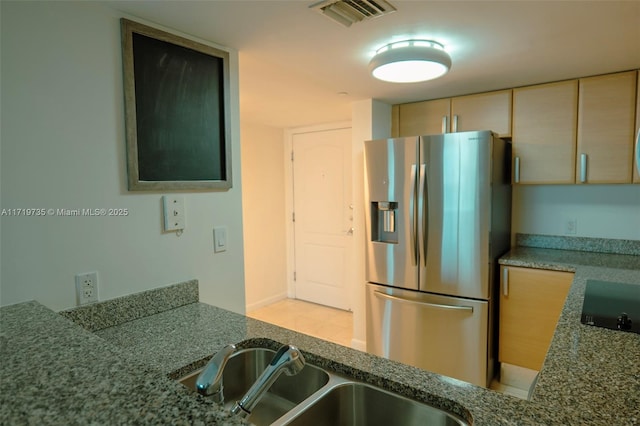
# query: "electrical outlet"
[[87, 288], [571, 226]]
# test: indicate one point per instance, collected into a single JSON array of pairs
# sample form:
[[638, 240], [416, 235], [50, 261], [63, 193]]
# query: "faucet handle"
[[290, 359], [209, 381]]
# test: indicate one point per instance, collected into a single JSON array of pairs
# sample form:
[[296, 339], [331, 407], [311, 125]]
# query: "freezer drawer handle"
[[430, 305]]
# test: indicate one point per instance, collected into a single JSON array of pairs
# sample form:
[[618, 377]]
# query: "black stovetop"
[[612, 305]]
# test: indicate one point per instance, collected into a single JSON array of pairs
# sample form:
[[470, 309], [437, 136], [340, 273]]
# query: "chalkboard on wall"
[[177, 111]]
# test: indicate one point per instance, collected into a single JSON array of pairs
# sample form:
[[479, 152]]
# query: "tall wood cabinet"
[[531, 301], [606, 124], [544, 133]]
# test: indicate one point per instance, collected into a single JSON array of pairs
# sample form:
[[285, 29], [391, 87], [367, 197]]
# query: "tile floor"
[[319, 321], [336, 326]]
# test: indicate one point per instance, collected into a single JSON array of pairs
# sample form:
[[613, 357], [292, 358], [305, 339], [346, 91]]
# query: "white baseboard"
[[265, 302], [515, 376]]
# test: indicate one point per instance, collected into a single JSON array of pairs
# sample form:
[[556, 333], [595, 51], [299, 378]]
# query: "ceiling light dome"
[[410, 61]]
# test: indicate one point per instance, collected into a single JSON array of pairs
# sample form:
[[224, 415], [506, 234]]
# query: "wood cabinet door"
[[484, 111], [606, 117], [395, 121], [636, 156], [530, 304], [544, 133], [424, 118]]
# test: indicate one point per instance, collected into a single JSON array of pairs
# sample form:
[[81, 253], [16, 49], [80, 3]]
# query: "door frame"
[[288, 195]]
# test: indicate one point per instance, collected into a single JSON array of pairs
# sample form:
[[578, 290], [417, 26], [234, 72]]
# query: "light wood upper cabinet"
[[544, 133], [606, 117], [636, 156], [484, 111], [531, 301], [424, 118], [568, 132]]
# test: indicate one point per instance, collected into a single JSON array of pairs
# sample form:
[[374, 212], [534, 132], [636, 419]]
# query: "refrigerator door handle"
[[429, 305], [412, 218], [422, 228]]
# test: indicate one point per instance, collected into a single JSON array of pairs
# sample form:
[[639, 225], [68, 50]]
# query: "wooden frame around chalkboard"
[[176, 110]]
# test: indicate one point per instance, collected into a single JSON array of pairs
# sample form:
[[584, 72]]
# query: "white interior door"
[[323, 214]]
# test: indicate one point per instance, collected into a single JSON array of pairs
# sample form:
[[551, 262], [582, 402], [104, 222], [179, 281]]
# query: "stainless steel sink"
[[360, 404], [315, 397], [245, 367]]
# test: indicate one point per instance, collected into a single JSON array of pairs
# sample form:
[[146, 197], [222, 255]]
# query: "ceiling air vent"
[[346, 12]]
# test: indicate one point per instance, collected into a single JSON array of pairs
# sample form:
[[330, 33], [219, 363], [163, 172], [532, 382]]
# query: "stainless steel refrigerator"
[[438, 218]]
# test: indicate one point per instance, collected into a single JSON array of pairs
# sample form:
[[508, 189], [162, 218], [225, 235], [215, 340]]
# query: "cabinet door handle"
[[444, 124], [455, 123], [505, 282], [516, 170], [583, 168], [638, 150]]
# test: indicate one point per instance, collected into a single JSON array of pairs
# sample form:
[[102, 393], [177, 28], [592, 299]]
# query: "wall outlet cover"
[[571, 226], [87, 288]]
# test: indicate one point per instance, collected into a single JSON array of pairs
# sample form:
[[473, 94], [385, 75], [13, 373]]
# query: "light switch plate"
[[219, 239], [173, 211]]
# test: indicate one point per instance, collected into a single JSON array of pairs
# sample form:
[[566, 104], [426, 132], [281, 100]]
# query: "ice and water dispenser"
[[383, 222]]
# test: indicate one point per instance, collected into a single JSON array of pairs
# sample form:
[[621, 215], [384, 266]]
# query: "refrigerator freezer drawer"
[[445, 335]]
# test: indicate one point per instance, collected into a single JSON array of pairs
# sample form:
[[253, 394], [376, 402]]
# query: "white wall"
[[601, 211], [63, 146], [263, 187], [371, 120]]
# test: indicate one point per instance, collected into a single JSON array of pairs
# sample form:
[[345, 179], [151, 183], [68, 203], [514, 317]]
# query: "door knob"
[[350, 231]]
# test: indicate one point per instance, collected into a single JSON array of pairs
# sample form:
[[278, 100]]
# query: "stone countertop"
[[192, 333], [567, 260], [593, 372], [54, 372], [588, 377]]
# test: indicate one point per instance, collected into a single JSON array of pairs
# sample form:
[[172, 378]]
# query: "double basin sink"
[[315, 397]]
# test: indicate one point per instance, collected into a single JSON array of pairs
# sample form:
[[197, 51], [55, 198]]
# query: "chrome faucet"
[[209, 382], [288, 359]]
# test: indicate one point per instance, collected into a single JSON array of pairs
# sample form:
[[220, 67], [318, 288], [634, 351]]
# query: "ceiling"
[[298, 67]]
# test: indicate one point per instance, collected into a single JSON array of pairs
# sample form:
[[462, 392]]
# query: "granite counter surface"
[[567, 260], [590, 375], [592, 371], [53, 372]]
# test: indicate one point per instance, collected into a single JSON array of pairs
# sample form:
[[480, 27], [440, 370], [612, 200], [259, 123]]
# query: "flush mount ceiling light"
[[410, 61]]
